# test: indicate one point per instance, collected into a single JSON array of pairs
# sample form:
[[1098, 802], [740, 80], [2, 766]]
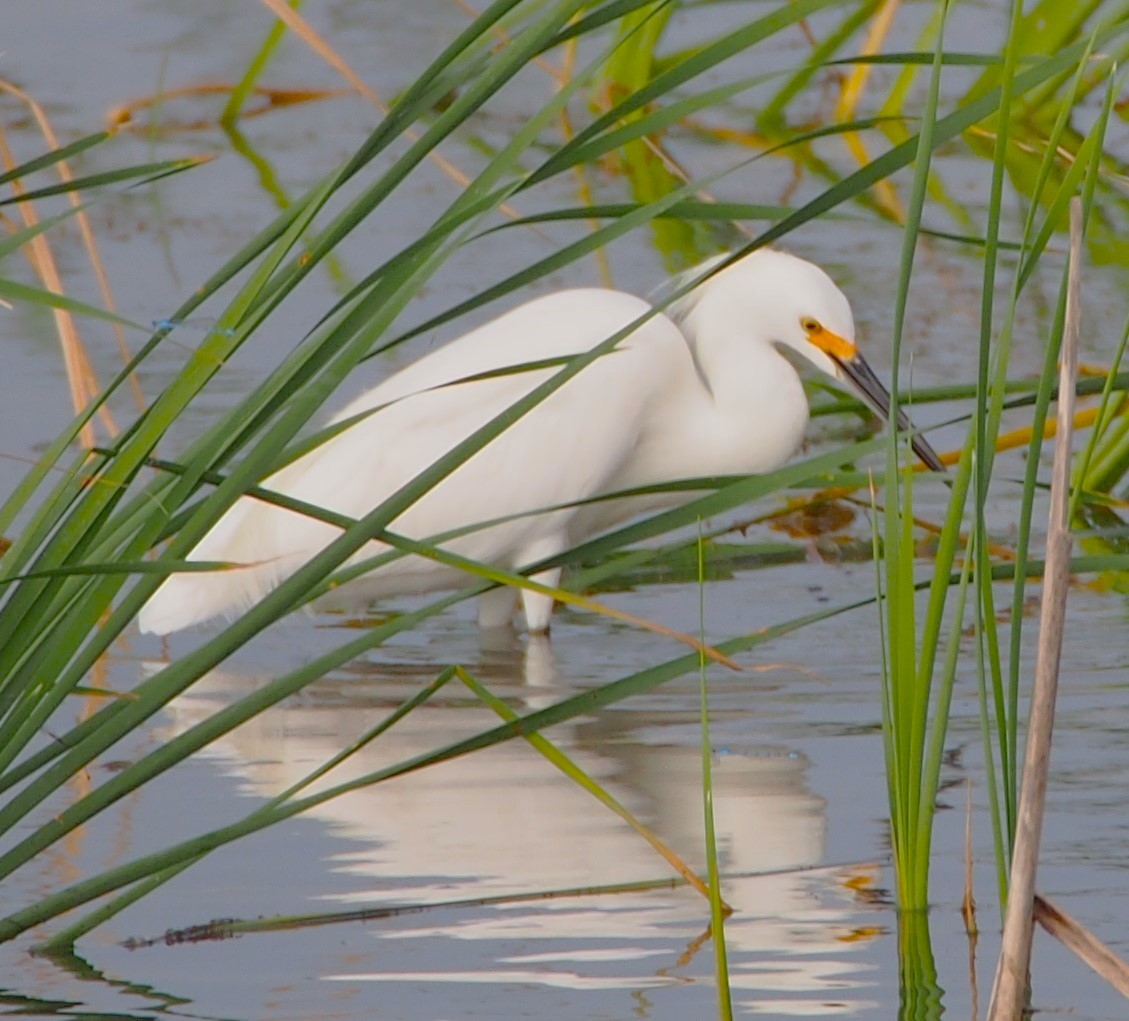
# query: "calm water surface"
[[799, 780]]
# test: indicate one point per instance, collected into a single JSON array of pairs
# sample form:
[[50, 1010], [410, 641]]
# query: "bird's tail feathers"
[[195, 597], [249, 539]]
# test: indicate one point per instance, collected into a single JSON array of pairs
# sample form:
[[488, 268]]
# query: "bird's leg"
[[496, 608], [537, 606]]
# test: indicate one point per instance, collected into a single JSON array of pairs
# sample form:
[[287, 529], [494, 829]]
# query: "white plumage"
[[700, 391]]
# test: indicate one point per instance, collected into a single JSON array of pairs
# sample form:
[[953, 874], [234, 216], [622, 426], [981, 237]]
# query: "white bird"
[[702, 390]]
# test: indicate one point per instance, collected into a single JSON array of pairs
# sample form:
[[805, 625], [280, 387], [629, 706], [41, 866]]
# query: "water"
[[799, 779]]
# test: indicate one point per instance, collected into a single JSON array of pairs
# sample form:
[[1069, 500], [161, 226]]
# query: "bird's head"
[[787, 302]]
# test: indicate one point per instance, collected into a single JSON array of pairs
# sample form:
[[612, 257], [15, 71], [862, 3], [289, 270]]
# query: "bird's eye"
[[810, 325]]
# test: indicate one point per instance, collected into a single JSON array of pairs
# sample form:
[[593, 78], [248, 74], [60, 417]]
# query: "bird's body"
[[706, 396]]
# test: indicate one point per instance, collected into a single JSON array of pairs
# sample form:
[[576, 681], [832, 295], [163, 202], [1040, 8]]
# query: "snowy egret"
[[702, 390]]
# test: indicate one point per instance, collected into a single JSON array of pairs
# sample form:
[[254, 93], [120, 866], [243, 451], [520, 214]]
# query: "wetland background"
[[800, 784]]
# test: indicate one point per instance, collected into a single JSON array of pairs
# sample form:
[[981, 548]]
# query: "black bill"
[[872, 390]]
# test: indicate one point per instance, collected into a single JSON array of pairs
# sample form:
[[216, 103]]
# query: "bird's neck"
[[754, 411]]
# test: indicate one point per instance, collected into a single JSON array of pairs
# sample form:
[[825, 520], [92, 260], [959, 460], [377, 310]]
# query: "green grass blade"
[[717, 904]]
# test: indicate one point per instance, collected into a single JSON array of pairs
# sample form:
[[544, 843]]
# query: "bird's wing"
[[554, 326], [567, 448], [570, 447]]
